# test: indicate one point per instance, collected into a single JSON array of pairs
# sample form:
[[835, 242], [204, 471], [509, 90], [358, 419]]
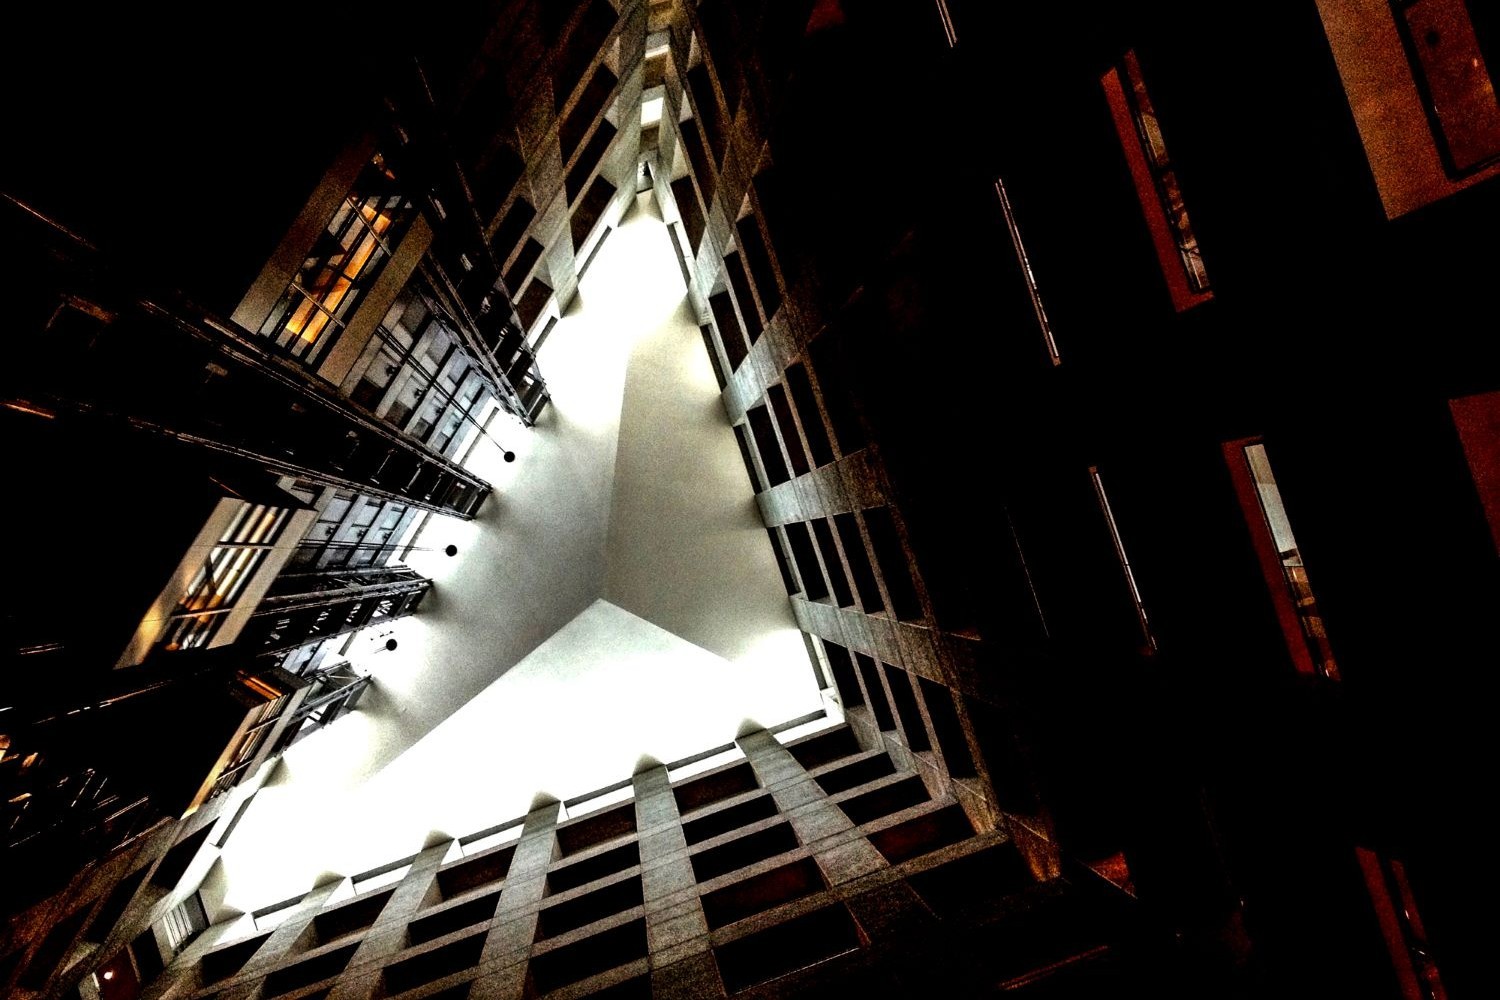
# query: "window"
[[1026, 273], [1156, 184], [1280, 558], [223, 576], [1114, 534], [946, 16], [184, 922], [341, 265], [1419, 77], [414, 375], [353, 531]]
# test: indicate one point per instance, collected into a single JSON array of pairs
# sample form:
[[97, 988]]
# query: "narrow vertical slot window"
[[814, 587], [843, 674], [776, 400], [905, 698], [1281, 559], [764, 435], [1024, 260], [859, 563], [1156, 184], [890, 556], [1114, 535], [946, 17], [836, 576], [880, 705]]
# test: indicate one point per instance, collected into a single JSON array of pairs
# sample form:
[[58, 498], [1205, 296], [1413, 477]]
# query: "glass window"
[[219, 581], [1156, 183], [1281, 559], [344, 261]]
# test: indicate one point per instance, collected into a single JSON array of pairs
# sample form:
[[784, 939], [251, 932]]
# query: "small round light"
[[109, 974]]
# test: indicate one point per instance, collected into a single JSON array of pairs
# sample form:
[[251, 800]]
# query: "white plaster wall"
[[687, 548]]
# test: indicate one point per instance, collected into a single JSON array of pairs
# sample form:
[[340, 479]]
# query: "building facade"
[[1084, 366]]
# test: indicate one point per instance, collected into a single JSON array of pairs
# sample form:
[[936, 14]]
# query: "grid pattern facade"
[[793, 868]]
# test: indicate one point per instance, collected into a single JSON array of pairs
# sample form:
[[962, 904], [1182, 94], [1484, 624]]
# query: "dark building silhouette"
[[1113, 383]]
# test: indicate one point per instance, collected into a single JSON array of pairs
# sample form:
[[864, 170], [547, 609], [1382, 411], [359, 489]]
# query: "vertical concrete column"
[[682, 964], [274, 951], [387, 935], [513, 930], [842, 852]]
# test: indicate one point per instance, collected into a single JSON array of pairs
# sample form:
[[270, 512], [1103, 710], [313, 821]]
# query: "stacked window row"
[[763, 895]]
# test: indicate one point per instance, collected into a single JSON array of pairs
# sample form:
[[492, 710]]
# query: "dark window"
[[890, 555]]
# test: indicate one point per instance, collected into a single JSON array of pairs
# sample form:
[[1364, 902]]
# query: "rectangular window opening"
[[1114, 534], [843, 673], [875, 691], [1156, 184], [764, 435], [841, 592], [890, 556], [777, 402], [1281, 559], [814, 587], [907, 709], [858, 556], [952, 743], [1027, 274], [801, 390]]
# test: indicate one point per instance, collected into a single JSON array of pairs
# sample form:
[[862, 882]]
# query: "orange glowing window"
[[345, 260], [221, 579]]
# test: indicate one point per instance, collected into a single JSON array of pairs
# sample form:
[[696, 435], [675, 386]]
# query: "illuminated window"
[[1420, 81], [1280, 558], [342, 264], [223, 576], [1156, 184]]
